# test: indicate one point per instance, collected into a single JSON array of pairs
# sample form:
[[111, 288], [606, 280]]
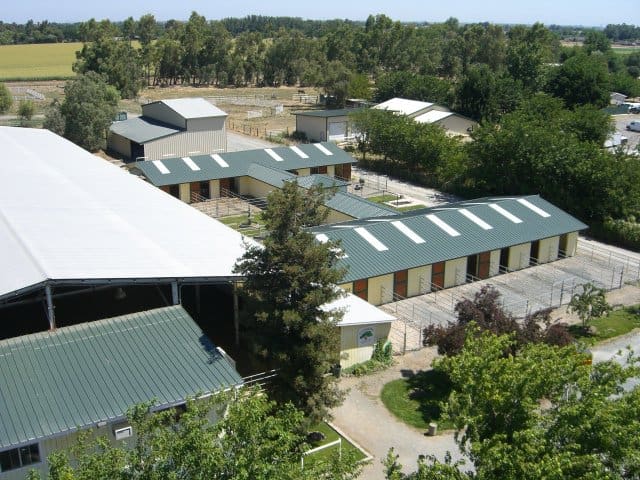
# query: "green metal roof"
[[143, 129], [308, 181], [474, 226], [74, 377], [236, 164], [340, 112], [358, 207]]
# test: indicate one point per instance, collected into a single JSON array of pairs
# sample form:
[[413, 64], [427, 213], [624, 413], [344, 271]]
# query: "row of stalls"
[[427, 250]]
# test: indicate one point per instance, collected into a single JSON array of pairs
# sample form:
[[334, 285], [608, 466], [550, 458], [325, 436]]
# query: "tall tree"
[[581, 80], [589, 304], [291, 278], [88, 109]]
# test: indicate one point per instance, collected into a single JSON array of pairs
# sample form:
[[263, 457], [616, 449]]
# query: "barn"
[[170, 128], [430, 113], [325, 125], [390, 258]]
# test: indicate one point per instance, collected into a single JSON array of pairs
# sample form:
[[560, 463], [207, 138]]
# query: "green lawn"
[[615, 324], [37, 61], [416, 400], [330, 436], [239, 223], [382, 198]]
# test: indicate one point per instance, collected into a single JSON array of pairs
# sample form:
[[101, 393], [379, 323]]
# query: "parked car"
[[634, 126], [634, 109]]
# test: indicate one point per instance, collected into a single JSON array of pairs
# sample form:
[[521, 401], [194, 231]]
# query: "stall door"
[[400, 284], [437, 276], [484, 265], [361, 289]]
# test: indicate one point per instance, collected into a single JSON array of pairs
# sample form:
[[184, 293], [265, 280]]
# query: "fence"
[[523, 292]]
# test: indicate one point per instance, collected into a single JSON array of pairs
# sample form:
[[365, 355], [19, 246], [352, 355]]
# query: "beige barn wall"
[[548, 249], [418, 281], [455, 272], [185, 192], [255, 188], [350, 353], [214, 188], [313, 127], [572, 244], [347, 287], [380, 289], [519, 256], [494, 263], [187, 143]]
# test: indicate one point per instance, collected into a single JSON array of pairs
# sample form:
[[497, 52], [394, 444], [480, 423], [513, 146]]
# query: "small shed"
[[325, 125], [361, 326], [617, 98]]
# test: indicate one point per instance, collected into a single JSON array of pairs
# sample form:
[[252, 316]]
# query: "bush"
[[381, 358], [5, 98]]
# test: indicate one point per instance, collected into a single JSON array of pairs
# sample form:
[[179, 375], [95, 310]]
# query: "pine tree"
[[291, 277]]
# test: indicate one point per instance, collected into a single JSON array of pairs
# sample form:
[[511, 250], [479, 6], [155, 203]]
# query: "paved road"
[[621, 122], [237, 142], [617, 350]]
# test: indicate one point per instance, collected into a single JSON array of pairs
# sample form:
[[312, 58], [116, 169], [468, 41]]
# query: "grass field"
[[616, 323], [37, 62], [331, 435]]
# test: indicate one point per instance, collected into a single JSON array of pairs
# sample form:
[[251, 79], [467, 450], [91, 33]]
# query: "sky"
[[559, 12]]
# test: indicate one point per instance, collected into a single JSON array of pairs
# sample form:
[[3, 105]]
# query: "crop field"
[[48, 61]]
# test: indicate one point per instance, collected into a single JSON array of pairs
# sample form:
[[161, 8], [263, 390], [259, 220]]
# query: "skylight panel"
[[299, 152], [504, 213], [322, 148], [475, 219], [161, 166], [219, 160], [373, 241], [533, 208], [273, 155], [408, 232], [191, 164], [443, 225]]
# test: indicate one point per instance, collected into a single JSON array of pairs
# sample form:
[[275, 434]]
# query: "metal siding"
[[519, 256], [380, 289], [181, 144], [572, 244], [119, 144], [312, 127], [494, 263], [350, 352], [548, 249], [455, 272]]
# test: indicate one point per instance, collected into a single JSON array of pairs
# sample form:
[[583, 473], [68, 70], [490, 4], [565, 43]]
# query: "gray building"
[[170, 128]]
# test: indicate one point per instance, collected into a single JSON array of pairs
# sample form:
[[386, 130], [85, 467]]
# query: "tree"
[[26, 109], [88, 109], [542, 413], [6, 99], [581, 80], [589, 304], [253, 440], [291, 278], [429, 468], [53, 119], [486, 313]]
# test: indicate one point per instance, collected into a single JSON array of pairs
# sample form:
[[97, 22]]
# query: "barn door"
[[360, 289], [484, 265], [400, 283], [437, 276]]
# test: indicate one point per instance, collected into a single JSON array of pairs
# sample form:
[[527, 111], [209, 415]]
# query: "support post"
[[175, 293], [236, 315], [51, 315]]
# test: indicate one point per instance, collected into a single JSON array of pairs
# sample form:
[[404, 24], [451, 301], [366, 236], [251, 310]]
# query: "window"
[[19, 457]]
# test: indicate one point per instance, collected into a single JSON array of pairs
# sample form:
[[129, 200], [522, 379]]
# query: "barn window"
[[19, 457]]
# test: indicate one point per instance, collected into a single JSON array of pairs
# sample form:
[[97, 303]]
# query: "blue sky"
[[562, 12]]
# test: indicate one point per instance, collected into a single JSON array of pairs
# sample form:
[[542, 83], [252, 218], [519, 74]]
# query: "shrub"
[[381, 358]]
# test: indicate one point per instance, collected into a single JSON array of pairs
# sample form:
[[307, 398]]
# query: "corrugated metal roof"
[[356, 311], [340, 112], [54, 382], [197, 107], [403, 106], [85, 219], [239, 163], [270, 176], [358, 207], [308, 181], [143, 129], [433, 116], [364, 261]]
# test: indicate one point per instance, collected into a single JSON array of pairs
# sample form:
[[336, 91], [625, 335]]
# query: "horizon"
[[586, 13]]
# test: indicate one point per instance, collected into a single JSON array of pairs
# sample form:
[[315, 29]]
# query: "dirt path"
[[367, 421]]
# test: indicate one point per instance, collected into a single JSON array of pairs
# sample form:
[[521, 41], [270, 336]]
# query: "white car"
[[634, 126]]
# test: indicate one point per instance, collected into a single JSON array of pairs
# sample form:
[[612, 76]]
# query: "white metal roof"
[[432, 116], [68, 215], [357, 311], [403, 106], [194, 107]]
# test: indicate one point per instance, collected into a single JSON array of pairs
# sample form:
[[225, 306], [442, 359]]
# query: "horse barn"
[[170, 128], [390, 258], [255, 173]]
